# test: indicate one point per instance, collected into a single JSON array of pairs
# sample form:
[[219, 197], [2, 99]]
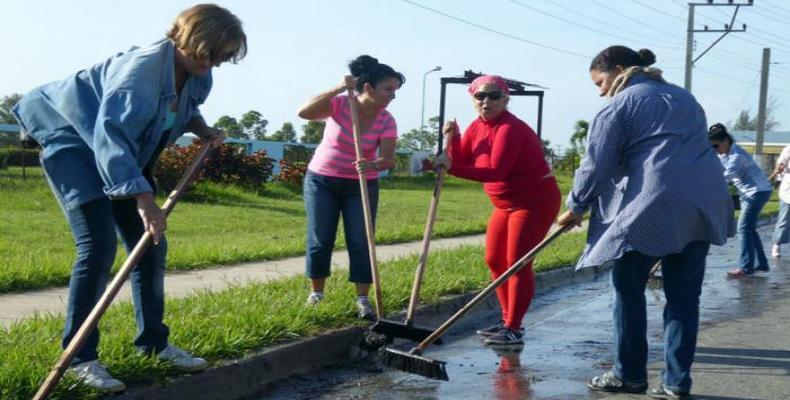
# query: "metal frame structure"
[[517, 88]]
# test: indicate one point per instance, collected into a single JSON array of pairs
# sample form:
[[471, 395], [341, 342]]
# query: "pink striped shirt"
[[335, 154]]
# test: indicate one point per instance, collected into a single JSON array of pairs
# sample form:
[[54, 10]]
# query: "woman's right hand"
[[450, 129], [348, 82], [154, 219]]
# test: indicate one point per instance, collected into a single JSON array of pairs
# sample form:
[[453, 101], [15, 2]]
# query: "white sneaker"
[[776, 251], [181, 359], [314, 298], [93, 374], [364, 309]]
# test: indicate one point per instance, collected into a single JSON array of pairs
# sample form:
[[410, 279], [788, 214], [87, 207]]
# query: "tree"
[[253, 125], [6, 104], [420, 139], [284, 134], [230, 126], [745, 122], [579, 136], [313, 131], [548, 152]]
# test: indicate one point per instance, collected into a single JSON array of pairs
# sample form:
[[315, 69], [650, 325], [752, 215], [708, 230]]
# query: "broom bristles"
[[415, 364], [400, 330]]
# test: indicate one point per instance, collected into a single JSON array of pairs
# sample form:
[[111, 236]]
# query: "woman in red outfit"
[[505, 154]]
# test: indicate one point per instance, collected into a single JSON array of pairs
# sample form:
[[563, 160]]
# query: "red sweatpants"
[[511, 234]]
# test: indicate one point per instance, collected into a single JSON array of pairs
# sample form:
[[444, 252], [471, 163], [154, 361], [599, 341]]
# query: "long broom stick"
[[407, 329], [412, 361], [363, 188], [92, 321]]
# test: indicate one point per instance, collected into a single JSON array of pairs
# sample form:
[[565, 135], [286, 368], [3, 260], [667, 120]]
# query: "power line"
[[737, 79], [628, 17], [657, 10], [598, 31], [505, 34], [587, 16]]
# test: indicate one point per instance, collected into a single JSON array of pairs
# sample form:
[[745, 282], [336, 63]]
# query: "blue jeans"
[[751, 246], [682, 278], [94, 226], [325, 199], [782, 229]]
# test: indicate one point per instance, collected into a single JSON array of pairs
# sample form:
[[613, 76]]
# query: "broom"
[[407, 330], [363, 188], [109, 294], [414, 363]]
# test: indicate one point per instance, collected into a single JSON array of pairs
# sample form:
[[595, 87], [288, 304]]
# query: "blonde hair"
[[208, 31]]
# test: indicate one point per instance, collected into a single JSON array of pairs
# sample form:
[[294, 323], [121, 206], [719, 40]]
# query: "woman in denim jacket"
[[754, 190], [101, 131]]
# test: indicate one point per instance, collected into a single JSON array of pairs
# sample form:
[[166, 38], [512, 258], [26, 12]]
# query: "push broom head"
[[413, 363], [404, 331]]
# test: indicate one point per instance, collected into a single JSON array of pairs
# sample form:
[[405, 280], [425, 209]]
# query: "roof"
[[9, 128], [769, 138]]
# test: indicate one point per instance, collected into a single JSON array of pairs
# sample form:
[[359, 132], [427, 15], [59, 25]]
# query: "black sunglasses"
[[715, 145], [494, 96]]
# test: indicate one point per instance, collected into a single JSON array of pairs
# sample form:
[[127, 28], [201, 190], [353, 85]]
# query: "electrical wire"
[[497, 32]]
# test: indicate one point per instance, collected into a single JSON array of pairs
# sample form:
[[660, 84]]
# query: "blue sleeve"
[[121, 120], [733, 166], [600, 162]]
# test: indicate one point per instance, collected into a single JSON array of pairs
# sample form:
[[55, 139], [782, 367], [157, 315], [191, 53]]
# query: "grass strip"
[[218, 224]]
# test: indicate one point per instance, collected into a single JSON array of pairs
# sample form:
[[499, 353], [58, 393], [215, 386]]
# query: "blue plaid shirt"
[[649, 176]]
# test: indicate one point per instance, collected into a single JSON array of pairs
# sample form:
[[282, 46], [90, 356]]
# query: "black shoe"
[[608, 382], [505, 337], [491, 330], [762, 269], [663, 392]]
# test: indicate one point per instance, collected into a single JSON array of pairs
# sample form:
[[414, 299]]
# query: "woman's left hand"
[[569, 218], [365, 165], [216, 136]]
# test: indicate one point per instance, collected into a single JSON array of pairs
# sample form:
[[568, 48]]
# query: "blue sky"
[[299, 48]]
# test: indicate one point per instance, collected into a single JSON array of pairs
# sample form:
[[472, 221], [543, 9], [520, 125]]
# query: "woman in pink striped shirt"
[[331, 186]]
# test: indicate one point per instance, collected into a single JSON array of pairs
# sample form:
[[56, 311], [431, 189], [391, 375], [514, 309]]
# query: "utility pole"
[[761, 117], [690, 60]]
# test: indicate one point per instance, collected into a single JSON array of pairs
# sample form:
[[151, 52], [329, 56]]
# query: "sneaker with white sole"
[[314, 298], [95, 375], [181, 359], [506, 337], [364, 309], [492, 330]]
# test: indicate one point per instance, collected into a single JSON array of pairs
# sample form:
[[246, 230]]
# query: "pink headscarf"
[[496, 80]]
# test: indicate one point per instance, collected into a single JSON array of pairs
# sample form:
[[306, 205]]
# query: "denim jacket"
[[100, 127]]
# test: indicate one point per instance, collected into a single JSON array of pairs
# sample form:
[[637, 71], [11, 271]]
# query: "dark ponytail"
[[368, 70], [613, 56], [718, 132]]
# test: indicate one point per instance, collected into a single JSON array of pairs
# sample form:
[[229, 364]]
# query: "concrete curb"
[[243, 378]]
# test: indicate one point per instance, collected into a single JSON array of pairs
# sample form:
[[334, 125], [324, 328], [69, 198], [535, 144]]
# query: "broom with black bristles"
[[414, 363]]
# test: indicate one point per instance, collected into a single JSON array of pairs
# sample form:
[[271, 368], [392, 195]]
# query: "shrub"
[[12, 157], [227, 165], [292, 172]]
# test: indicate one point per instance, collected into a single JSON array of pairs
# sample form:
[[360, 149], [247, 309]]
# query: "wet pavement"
[[569, 339]]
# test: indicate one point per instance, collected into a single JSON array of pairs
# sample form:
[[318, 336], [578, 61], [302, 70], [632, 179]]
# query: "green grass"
[[219, 224], [242, 320]]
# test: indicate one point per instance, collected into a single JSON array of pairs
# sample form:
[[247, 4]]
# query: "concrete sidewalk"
[[16, 306]]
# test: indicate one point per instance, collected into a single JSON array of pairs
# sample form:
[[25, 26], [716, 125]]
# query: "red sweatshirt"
[[506, 155]]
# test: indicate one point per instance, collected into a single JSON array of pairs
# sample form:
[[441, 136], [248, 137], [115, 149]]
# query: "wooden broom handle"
[[112, 290], [363, 189], [426, 242], [492, 286]]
